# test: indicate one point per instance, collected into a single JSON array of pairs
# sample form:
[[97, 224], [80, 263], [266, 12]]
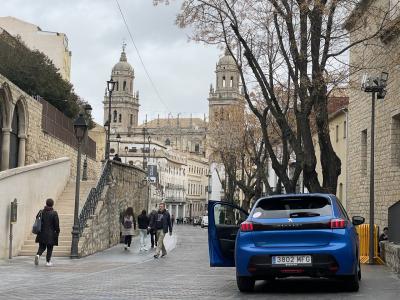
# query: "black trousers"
[[128, 240], [153, 238], [42, 248]]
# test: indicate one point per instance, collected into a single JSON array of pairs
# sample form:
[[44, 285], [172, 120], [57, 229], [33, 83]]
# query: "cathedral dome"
[[227, 59], [122, 65]]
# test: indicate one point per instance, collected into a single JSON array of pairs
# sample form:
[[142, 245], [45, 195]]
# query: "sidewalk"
[[108, 259]]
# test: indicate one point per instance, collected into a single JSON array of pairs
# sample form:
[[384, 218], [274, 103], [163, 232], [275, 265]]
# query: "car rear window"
[[277, 208]]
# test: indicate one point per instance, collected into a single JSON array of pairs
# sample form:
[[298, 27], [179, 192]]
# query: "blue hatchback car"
[[285, 235]]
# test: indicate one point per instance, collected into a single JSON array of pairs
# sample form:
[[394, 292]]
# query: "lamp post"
[[118, 137], [144, 146], [149, 140], [126, 154], [88, 109], [376, 86], [110, 89], [80, 129]]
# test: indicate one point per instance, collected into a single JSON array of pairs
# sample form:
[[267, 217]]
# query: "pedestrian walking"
[[143, 223], [162, 222], [172, 220], [152, 228], [128, 227], [48, 235]]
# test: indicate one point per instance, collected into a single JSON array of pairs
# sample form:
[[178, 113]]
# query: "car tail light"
[[246, 226], [338, 223]]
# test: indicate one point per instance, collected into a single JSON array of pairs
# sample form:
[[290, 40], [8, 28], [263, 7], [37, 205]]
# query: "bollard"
[[13, 220]]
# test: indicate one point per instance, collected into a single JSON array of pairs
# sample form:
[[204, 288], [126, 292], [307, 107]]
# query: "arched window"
[[197, 148], [223, 82], [124, 86], [131, 119], [167, 142], [116, 86], [120, 118], [115, 116], [231, 83]]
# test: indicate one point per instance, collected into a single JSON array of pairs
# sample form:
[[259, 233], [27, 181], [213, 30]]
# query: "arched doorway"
[[14, 139]]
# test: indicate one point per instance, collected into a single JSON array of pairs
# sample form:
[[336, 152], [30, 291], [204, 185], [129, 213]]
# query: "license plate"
[[292, 260]]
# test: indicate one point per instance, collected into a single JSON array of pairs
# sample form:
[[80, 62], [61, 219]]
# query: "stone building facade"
[[379, 54], [53, 44], [23, 140]]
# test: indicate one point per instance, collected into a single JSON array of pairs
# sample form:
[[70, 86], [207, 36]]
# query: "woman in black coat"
[[48, 236]]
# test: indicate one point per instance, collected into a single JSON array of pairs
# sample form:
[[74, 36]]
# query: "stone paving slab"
[[183, 274]]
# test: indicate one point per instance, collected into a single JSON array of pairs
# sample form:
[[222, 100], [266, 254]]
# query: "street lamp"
[[126, 154], [110, 89], [118, 137], [88, 109], [375, 86], [80, 129]]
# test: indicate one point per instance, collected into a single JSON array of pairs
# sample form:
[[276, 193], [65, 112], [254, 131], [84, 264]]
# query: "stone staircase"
[[65, 209]]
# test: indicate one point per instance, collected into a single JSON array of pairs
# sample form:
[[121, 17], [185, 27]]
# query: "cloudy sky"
[[182, 71]]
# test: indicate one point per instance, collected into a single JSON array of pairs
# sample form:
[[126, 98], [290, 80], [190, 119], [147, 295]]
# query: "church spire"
[[123, 54]]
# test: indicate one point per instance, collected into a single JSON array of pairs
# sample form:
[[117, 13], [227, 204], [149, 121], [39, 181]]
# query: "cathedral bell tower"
[[226, 98], [124, 100]]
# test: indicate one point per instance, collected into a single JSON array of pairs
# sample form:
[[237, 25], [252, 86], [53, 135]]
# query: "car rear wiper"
[[304, 214]]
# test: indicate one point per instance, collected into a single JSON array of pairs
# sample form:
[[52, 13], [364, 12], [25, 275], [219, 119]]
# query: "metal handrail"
[[90, 205]]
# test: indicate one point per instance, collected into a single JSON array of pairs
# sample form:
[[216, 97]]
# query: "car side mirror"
[[357, 220]]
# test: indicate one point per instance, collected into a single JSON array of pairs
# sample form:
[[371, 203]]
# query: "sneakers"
[[37, 260], [145, 249], [49, 264], [156, 256]]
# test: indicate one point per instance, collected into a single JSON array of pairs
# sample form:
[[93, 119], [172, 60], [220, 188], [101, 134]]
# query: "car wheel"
[[245, 284], [352, 283]]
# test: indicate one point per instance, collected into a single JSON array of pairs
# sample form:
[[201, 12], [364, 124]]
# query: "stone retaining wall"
[[127, 189], [391, 255]]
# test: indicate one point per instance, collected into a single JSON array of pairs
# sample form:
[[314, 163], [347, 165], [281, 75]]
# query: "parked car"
[[285, 235], [204, 221]]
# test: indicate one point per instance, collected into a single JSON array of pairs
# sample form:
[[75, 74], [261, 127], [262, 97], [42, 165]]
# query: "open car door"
[[224, 220]]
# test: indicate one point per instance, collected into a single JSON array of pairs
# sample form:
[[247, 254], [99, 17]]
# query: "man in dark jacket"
[[48, 235], [162, 222]]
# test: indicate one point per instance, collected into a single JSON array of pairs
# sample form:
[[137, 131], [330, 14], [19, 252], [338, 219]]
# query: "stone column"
[[5, 149], [21, 150]]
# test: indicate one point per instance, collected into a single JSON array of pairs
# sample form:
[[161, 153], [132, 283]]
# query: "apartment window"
[[115, 116], [131, 119], [337, 133], [231, 83], [344, 129], [364, 139], [124, 86], [116, 85], [120, 118], [223, 81], [395, 140]]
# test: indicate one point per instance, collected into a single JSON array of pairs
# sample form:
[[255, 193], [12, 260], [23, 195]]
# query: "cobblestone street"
[[183, 274]]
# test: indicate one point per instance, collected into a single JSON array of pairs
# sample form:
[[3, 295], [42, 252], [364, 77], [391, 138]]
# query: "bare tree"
[[295, 47]]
